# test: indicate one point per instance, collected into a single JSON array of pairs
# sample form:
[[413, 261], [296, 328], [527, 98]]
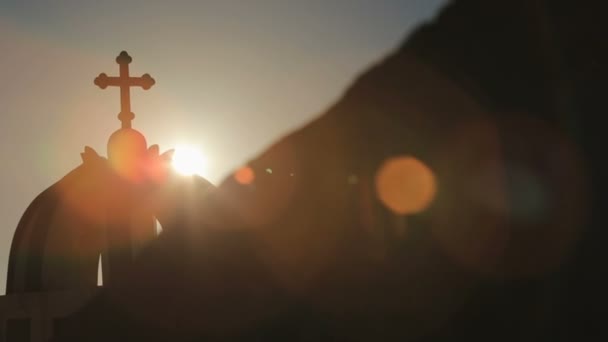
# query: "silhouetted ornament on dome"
[[124, 81], [127, 149], [96, 210]]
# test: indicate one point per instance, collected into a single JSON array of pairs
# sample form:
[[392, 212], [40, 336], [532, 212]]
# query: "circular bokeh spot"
[[244, 175], [513, 196], [405, 185]]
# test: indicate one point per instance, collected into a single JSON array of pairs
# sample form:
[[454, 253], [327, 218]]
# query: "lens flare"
[[244, 175], [405, 185]]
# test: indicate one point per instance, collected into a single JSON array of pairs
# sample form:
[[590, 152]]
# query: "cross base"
[[126, 118]]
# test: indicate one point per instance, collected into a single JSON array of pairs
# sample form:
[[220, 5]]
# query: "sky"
[[231, 78]]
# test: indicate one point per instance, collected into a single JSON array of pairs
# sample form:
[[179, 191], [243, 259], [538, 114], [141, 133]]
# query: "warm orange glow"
[[244, 175], [127, 153], [405, 185]]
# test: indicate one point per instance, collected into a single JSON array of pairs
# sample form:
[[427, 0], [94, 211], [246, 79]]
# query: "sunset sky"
[[231, 78]]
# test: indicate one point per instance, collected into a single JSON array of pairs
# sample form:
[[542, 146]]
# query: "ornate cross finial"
[[124, 81]]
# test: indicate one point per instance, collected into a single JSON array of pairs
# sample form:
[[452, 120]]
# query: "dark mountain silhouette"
[[500, 100]]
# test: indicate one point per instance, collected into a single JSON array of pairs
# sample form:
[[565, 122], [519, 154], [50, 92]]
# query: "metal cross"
[[125, 82]]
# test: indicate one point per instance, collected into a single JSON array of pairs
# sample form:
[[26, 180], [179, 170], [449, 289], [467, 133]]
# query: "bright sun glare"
[[188, 160]]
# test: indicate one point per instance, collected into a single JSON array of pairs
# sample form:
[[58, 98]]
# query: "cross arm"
[[145, 81]]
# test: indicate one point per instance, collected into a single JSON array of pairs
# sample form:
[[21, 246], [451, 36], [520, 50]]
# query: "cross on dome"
[[125, 82], [126, 147]]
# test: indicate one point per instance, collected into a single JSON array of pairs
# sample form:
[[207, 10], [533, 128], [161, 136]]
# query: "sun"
[[187, 160]]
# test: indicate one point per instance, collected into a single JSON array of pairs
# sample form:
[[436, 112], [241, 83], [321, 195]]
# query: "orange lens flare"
[[405, 185], [244, 175]]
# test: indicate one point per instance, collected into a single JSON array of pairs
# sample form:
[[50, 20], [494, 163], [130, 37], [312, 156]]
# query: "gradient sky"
[[231, 77]]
